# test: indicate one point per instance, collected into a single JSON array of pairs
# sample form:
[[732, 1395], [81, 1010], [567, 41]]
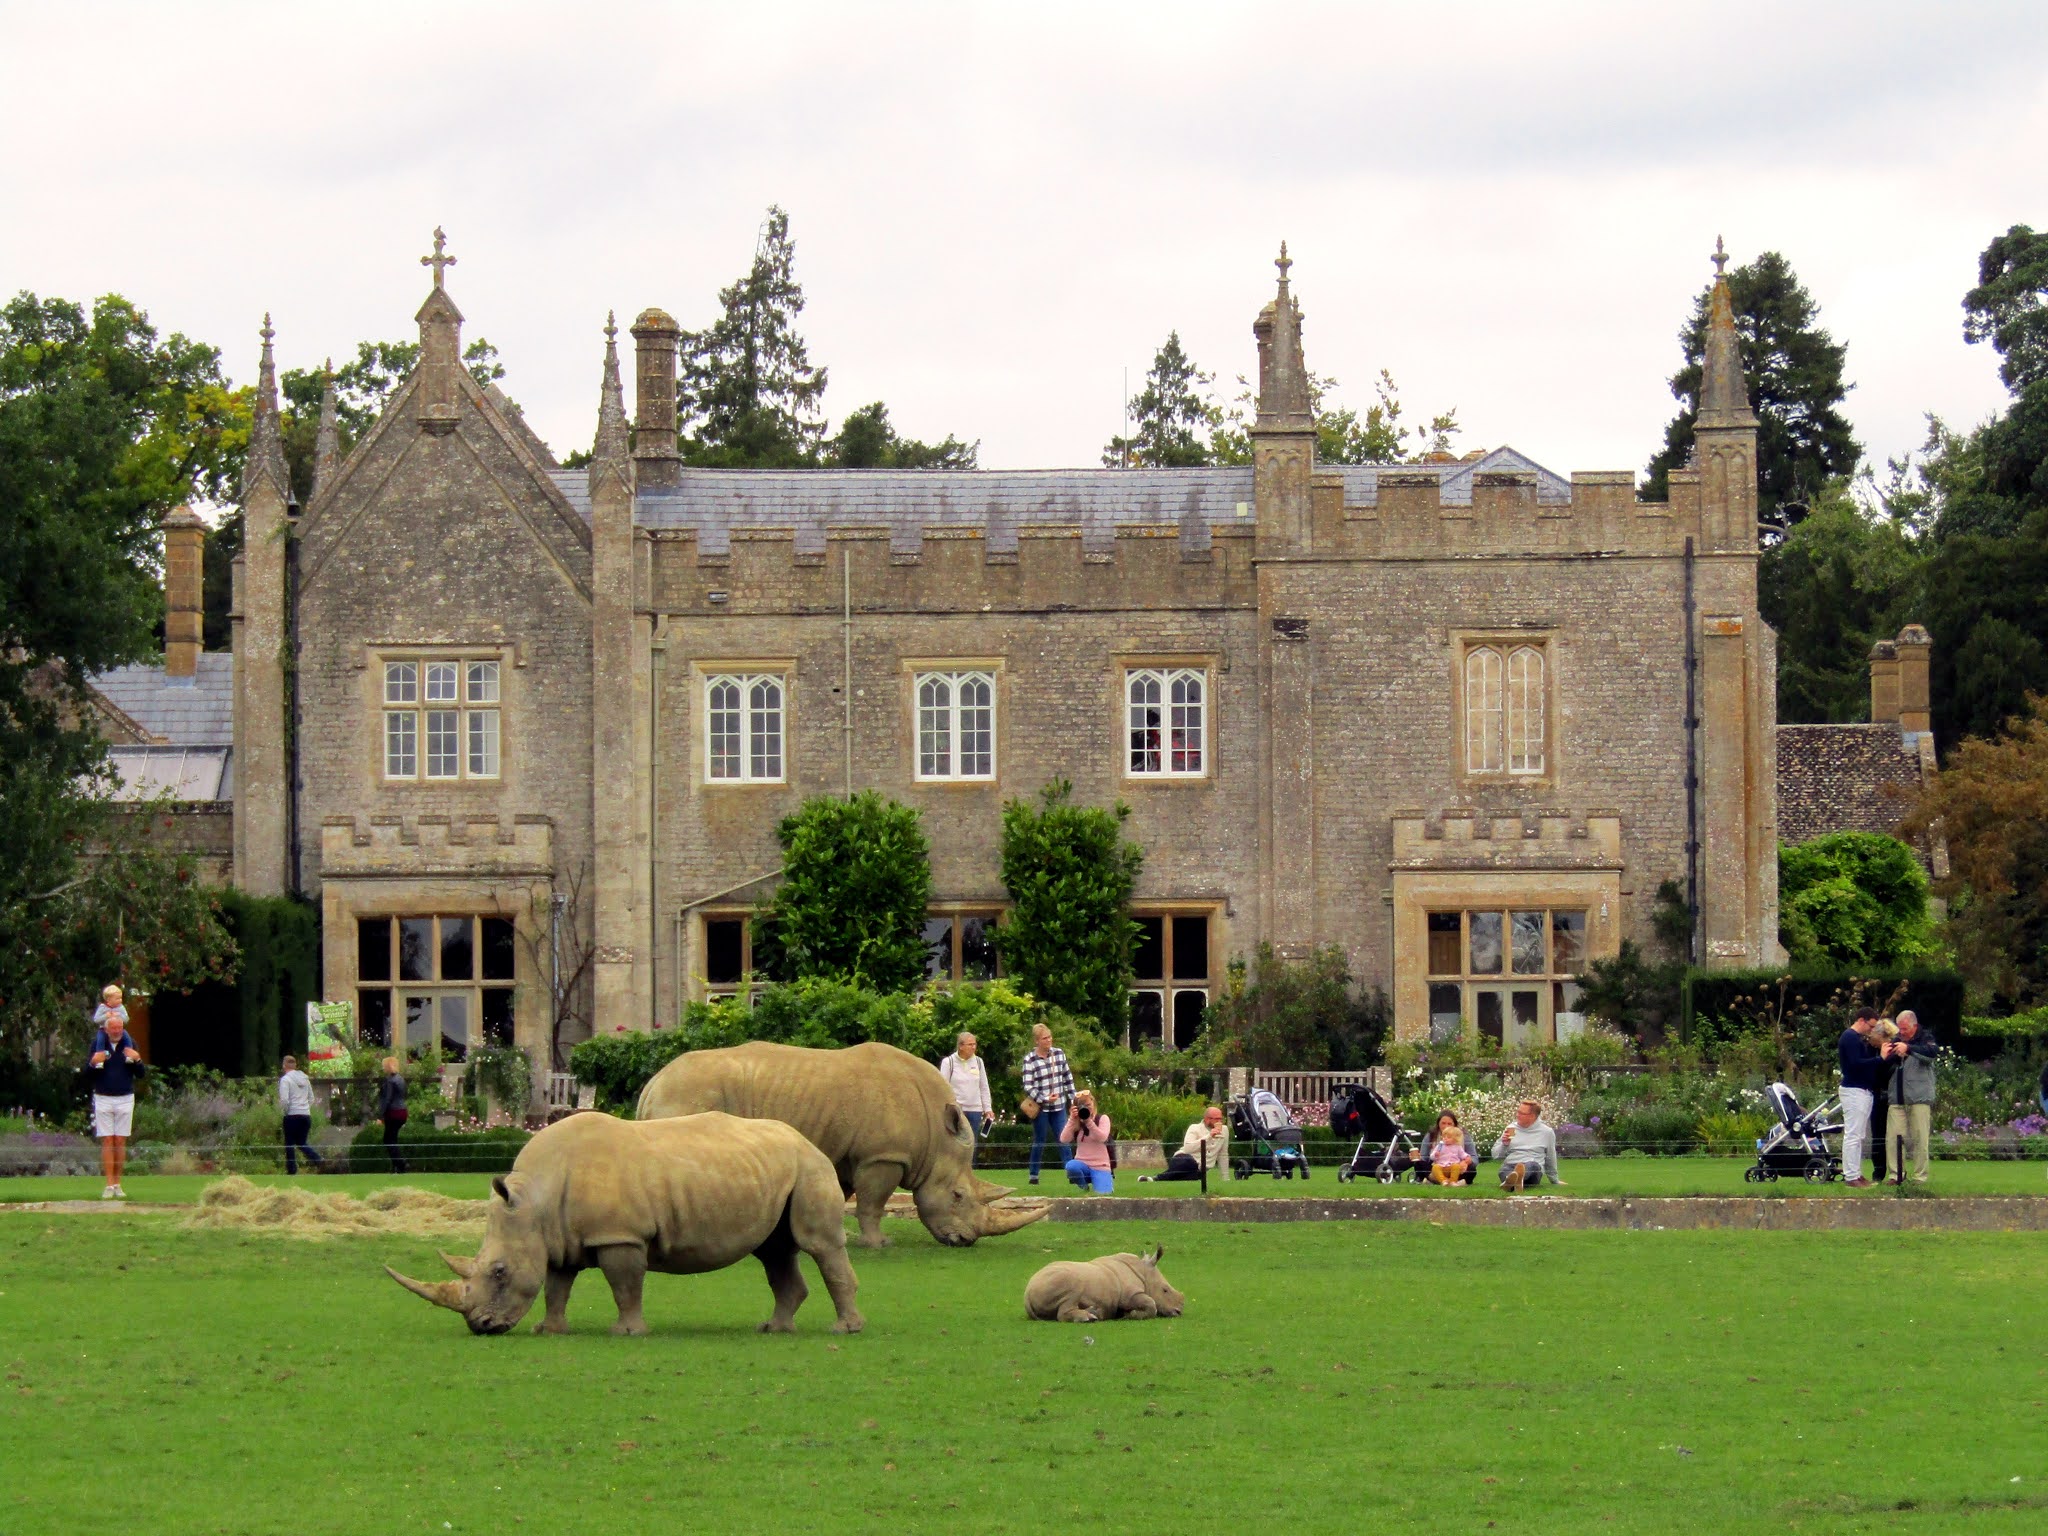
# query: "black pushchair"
[[1276, 1141], [1384, 1144], [1798, 1143]]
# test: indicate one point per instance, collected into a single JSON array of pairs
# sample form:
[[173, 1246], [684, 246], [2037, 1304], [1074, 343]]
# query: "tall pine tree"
[[746, 393], [1794, 372], [1172, 417]]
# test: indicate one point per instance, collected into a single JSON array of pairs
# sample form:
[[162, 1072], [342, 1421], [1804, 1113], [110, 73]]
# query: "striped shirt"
[[1048, 1079]]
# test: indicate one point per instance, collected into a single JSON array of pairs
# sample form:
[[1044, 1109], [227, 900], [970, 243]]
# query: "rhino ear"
[[1157, 1254], [504, 1193], [957, 1126]]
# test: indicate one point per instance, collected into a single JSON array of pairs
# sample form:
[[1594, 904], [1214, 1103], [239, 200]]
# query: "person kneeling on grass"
[[1087, 1132], [1527, 1150], [1206, 1144]]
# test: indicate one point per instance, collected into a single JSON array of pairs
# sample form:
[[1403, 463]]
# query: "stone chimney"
[[656, 460], [1884, 683], [1915, 649], [184, 592]]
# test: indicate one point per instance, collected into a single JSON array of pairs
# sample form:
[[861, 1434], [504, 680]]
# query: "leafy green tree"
[[1070, 873], [1637, 990], [856, 880], [1838, 581], [867, 439], [1343, 436], [1793, 370], [746, 392], [1172, 417], [1299, 1015], [1853, 898], [1989, 805], [2009, 309], [104, 427]]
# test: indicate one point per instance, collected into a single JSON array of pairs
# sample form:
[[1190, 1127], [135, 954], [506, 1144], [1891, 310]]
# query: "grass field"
[[1586, 1177], [1361, 1378]]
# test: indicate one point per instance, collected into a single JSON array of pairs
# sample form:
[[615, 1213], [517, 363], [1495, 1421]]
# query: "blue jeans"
[[1100, 1180], [974, 1120], [1046, 1127]]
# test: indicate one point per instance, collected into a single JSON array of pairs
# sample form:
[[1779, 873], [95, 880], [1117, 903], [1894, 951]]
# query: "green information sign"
[[330, 1036]]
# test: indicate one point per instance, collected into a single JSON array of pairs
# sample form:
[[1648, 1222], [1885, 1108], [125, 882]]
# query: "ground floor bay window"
[[1501, 978], [435, 985]]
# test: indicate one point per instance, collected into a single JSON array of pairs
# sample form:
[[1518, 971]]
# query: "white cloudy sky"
[[1000, 208]]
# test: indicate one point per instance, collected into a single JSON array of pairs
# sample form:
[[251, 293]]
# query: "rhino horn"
[[463, 1267], [989, 1192], [995, 1221], [444, 1293]]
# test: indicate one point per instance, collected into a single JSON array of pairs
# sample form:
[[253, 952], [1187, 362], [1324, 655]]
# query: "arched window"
[[1525, 710], [1167, 710], [1482, 710], [743, 728], [956, 725]]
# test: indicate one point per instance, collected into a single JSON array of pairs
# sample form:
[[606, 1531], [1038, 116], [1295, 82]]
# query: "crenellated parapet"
[[1466, 839], [483, 846]]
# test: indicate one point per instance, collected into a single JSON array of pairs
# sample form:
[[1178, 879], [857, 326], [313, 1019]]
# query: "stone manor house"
[[1461, 718]]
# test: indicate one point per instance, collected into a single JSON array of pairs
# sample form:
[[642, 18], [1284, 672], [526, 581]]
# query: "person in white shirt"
[[1206, 1145], [295, 1098], [967, 1075]]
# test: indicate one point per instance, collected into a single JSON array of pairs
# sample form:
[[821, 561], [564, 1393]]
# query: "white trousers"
[[1856, 1104]]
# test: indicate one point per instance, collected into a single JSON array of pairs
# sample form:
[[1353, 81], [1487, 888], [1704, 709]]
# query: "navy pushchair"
[[1276, 1141]]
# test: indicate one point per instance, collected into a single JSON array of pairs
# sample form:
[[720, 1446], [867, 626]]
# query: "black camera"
[[1083, 1111]]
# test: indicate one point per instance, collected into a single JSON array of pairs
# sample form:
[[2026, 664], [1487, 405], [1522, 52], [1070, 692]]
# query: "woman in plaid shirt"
[[1049, 1081]]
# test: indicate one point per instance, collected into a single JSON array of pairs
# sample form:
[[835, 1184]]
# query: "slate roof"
[[997, 503], [199, 712], [574, 484], [1846, 778]]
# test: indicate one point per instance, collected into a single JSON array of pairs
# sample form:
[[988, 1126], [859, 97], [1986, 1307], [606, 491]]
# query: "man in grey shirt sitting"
[[1527, 1150]]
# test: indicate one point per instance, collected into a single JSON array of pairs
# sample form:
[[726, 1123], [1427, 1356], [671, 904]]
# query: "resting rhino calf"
[[1115, 1285], [680, 1197], [883, 1118]]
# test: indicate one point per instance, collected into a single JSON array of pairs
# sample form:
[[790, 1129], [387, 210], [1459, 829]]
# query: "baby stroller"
[[1383, 1142], [1261, 1119], [1798, 1142]]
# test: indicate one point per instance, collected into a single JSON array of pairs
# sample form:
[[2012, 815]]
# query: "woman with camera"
[[1087, 1131]]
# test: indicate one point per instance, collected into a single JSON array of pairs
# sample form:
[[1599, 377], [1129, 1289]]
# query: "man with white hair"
[[1912, 1094]]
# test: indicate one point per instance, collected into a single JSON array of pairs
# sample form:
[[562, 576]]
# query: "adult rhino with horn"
[[881, 1116], [680, 1197]]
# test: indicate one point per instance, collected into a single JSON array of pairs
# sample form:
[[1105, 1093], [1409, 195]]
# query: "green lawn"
[[1585, 1177], [1328, 1375]]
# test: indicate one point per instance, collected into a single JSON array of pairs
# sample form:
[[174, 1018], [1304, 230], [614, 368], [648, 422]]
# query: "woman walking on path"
[[391, 1110]]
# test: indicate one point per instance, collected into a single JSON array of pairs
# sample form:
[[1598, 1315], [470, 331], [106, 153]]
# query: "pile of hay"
[[235, 1203]]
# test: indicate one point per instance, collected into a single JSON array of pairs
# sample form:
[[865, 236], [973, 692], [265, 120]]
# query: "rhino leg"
[[1076, 1312], [817, 1222], [625, 1268], [556, 1319], [778, 1257], [873, 1184], [1141, 1305]]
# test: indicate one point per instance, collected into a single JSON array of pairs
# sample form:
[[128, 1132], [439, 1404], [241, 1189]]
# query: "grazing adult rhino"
[[1115, 1285], [680, 1197], [881, 1116]]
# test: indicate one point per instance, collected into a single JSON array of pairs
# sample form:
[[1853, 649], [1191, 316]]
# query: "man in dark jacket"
[[1912, 1090], [1859, 1060]]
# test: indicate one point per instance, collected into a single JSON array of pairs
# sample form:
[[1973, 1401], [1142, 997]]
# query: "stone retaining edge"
[[1984, 1213]]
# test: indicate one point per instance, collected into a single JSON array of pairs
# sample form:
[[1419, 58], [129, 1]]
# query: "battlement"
[[462, 845], [1464, 838]]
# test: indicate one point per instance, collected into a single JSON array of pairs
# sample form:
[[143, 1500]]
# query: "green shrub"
[[429, 1150], [245, 1026], [502, 1074], [1149, 1116], [1069, 934], [1802, 1012], [1733, 1133], [856, 880], [1299, 1015], [1853, 899], [1660, 1130], [619, 1065]]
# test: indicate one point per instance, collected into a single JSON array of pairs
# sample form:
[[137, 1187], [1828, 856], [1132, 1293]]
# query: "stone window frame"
[[1207, 665], [951, 913], [1175, 979], [471, 708], [1549, 982], [916, 670], [750, 670], [702, 983], [435, 985], [1505, 645]]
